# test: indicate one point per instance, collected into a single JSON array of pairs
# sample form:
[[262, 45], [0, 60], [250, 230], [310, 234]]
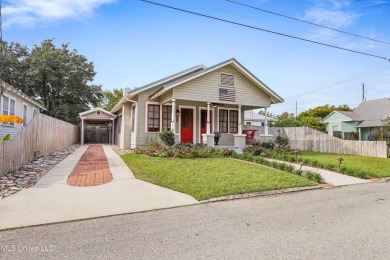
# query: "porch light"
[[177, 112]]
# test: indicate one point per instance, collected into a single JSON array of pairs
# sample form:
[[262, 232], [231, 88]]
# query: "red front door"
[[203, 123], [187, 125]]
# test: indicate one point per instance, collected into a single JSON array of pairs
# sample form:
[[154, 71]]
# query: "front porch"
[[198, 121]]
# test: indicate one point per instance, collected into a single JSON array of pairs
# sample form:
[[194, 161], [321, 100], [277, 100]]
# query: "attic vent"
[[227, 80], [98, 113]]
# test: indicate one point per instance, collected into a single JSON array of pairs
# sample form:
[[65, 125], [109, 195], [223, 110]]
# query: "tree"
[[288, 122], [323, 111], [59, 79], [14, 67], [311, 118], [110, 98]]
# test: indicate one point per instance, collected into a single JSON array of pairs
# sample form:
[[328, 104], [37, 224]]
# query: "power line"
[[290, 27], [332, 85], [303, 21], [264, 30]]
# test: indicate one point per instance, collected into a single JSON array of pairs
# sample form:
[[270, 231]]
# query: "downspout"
[[135, 128]]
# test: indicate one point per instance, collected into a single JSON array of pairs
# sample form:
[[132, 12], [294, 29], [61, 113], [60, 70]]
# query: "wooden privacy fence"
[[42, 135], [308, 139]]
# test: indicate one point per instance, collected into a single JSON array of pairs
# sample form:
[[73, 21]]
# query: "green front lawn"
[[376, 167], [210, 177]]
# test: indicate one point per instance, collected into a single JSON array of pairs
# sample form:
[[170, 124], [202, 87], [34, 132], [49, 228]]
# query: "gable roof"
[[372, 109], [274, 97], [7, 87], [368, 113], [347, 114], [172, 77], [250, 115], [97, 109]]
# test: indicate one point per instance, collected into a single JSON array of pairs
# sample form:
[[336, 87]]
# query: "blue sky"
[[133, 43]]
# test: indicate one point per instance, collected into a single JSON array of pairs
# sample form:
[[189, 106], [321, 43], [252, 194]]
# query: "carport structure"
[[101, 118]]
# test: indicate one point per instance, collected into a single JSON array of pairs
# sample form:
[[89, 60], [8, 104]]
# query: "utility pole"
[[296, 110]]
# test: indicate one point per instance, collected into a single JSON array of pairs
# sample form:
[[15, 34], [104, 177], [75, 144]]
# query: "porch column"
[[239, 120], [360, 134], [208, 118], [173, 121], [82, 132], [113, 132]]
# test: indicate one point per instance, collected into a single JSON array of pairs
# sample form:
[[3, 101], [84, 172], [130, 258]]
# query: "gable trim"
[[323, 120], [97, 109], [237, 65]]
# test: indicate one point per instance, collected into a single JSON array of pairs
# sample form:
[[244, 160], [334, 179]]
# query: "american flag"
[[227, 94]]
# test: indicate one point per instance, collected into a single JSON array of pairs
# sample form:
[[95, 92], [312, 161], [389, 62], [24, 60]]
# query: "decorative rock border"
[[32, 172]]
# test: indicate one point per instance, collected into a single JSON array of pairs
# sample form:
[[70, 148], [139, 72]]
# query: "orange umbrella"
[[11, 119]]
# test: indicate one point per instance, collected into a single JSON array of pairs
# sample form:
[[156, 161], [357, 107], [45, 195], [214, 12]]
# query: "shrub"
[[282, 141], [313, 176], [181, 145], [289, 168], [314, 163], [298, 172], [268, 145], [167, 137]]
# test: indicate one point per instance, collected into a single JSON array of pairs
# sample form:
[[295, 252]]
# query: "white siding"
[[19, 103], [206, 88]]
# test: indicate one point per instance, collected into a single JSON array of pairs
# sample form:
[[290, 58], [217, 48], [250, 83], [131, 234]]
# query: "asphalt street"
[[350, 222]]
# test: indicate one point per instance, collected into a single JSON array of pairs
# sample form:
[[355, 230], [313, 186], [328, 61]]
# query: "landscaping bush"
[[268, 145], [282, 141], [167, 137]]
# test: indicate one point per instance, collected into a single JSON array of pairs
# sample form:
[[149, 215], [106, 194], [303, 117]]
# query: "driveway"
[[53, 200]]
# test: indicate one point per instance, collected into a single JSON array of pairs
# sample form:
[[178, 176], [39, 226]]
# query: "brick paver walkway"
[[92, 168]]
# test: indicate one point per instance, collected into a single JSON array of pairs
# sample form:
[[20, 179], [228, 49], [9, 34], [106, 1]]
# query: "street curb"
[[259, 193]]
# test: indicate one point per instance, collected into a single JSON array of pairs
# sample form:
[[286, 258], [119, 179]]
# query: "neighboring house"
[[251, 118], [193, 104], [365, 119], [14, 102]]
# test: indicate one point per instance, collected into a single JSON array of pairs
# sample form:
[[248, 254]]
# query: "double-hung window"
[[153, 118], [223, 121], [166, 117], [228, 121], [233, 122], [9, 107]]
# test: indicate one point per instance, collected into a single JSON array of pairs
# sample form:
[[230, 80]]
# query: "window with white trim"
[[233, 121], [228, 121], [153, 118], [5, 105], [166, 117], [226, 80], [223, 120], [9, 107]]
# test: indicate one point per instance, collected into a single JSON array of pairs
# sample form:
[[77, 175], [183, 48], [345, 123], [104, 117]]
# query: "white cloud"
[[30, 12], [334, 17]]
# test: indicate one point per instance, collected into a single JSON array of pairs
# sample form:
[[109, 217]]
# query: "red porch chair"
[[250, 135]]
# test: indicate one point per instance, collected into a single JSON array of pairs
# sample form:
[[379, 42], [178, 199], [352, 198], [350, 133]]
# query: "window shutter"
[[227, 80]]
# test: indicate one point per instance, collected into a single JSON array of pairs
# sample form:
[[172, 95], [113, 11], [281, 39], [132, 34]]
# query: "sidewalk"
[[52, 200], [332, 178]]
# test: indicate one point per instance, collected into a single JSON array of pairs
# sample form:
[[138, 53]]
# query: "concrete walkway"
[[52, 200], [332, 178]]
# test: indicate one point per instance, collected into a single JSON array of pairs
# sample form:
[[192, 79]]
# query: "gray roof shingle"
[[370, 112]]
